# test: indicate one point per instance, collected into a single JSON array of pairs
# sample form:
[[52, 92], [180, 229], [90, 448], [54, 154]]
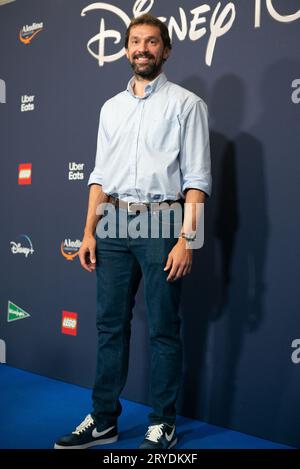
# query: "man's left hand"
[[179, 261]]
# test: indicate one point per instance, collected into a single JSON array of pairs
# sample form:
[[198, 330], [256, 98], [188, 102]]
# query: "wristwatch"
[[188, 236]]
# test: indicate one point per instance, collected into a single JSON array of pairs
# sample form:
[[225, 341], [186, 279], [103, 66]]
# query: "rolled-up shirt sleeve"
[[195, 162], [96, 176]]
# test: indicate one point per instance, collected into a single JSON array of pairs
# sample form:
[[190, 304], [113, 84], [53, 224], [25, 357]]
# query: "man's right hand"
[[87, 253]]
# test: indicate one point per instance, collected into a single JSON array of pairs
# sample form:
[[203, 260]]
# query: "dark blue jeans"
[[121, 263]]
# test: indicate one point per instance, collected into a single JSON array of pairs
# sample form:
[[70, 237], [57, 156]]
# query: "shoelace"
[[88, 421], [154, 432]]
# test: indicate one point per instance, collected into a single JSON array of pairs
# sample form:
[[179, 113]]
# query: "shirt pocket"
[[162, 134]]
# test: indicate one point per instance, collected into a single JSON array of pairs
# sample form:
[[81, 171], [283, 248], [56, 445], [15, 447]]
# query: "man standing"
[[152, 154]]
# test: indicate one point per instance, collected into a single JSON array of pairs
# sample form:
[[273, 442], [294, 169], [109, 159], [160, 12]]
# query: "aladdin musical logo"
[[27, 33], [69, 249], [204, 21]]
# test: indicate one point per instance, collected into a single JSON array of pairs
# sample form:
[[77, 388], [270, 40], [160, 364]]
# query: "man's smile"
[[142, 60]]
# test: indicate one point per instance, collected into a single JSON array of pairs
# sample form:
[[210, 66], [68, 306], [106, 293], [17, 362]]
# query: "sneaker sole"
[[173, 443], [106, 441]]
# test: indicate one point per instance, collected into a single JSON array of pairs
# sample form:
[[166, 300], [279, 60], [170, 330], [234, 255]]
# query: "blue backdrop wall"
[[60, 60]]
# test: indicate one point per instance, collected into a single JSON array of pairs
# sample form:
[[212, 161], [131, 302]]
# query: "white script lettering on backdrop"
[[193, 24]]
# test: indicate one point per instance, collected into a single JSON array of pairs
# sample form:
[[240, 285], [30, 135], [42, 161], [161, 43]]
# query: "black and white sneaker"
[[160, 436], [87, 435]]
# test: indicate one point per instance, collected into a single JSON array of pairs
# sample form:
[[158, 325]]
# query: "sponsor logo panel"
[[24, 177], [27, 103], [76, 171], [69, 323], [19, 248], [28, 32], [14, 312], [69, 249]]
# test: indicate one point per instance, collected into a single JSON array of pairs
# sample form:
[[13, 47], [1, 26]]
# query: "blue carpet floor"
[[35, 411]]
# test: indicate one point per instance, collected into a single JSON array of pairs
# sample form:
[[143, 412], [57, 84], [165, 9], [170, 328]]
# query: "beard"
[[148, 70]]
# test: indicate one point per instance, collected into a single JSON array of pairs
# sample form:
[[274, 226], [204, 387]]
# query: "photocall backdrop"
[[59, 62]]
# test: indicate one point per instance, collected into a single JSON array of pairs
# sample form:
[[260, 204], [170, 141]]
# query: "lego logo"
[[25, 173], [69, 323]]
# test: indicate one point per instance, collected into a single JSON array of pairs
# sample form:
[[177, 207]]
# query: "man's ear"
[[167, 53], [127, 53]]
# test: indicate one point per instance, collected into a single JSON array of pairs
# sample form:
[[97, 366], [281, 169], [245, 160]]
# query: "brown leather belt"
[[132, 207]]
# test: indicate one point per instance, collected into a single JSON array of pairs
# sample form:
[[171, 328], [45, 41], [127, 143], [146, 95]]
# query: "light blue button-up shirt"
[[153, 148]]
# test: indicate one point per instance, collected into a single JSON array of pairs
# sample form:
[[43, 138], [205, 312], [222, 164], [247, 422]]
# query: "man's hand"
[[179, 261], [87, 253]]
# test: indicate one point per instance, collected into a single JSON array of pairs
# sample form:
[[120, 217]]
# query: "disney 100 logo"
[[221, 21]]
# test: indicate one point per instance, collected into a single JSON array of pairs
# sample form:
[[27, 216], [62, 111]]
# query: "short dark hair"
[[153, 21]]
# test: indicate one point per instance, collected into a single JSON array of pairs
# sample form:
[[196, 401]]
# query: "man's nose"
[[143, 46]]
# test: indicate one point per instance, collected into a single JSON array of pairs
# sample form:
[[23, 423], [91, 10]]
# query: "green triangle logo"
[[14, 312]]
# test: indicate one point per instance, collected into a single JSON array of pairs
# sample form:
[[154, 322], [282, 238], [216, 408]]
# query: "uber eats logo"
[[27, 103], [76, 171]]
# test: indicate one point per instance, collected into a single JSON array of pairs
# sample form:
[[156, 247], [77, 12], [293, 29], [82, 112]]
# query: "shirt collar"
[[153, 86]]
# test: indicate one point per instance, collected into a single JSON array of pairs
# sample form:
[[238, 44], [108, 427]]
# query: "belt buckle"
[[141, 205], [128, 207]]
